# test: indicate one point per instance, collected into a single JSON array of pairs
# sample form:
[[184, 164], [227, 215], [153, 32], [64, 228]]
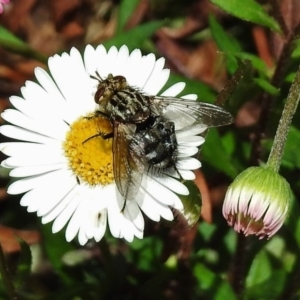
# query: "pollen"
[[88, 151]]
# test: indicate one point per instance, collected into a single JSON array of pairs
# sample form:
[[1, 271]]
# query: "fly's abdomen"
[[157, 144]]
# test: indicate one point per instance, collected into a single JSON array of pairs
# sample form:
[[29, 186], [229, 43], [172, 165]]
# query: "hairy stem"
[[289, 110]]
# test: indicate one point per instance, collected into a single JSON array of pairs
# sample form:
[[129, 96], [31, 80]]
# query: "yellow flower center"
[[89, 154]]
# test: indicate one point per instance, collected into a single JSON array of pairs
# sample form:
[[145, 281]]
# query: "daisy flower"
[[69, 181]]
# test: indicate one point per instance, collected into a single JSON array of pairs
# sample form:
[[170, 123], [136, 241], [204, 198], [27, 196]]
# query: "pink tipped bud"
[[257, 202], [1, 5]]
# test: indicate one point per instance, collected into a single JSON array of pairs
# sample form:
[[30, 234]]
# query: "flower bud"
[[257, 202]]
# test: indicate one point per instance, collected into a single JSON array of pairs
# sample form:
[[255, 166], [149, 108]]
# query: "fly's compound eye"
[[99, 93]]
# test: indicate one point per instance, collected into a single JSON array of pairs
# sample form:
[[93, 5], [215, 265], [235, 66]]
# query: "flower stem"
[[6, 277], [238, 266], [289, 110]]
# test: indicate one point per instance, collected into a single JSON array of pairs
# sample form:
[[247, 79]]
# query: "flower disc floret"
[[89, 154]]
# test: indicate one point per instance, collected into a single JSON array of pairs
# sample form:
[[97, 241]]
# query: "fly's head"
[[108, 87]]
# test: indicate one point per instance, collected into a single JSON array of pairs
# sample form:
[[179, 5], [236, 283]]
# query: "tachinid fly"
[[144, 127]]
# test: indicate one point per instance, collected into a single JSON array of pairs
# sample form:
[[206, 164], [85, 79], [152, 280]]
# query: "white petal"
[[100, 228], [60, 204], [154, 187], [114, 213], [25, 135], [188, 164], [53, 198], [157, 79], [145, 70], [89, 58], [103, 61], [107, 64], [178, 205], [50, 87], [36, 159], [76, 91], [82, 238], [65, 215], [13, 148], [174, 90], [54, 130], [35, 170], [170, 183], [190, 97], [190, 131], [42, 199], [186, 151], [29, 183], [154, 209], [191, 141], [134, 214], [120, 65], [78, 219], [187, 175]]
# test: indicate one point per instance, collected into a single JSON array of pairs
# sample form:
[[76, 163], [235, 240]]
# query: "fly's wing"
[[128, 170], [185, 113]]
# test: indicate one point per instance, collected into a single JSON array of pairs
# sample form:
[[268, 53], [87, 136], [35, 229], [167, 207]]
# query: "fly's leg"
[[105, 136], [124, 205], [96, 114]]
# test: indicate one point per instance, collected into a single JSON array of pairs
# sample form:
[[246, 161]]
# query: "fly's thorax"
[[129, 106], [121, 102]]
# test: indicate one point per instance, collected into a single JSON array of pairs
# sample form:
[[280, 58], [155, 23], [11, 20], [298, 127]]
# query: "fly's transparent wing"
[[128, 171], [185, 113]]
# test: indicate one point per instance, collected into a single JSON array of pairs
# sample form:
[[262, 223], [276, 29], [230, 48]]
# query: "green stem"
[[6, 277], [289, 110]]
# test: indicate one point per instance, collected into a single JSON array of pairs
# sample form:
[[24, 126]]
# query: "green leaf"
[[203, 91], [291, 157], [265, 279], [145, 253], [75, 291], [292, 223], [225, 43], [215, 154], [134, 37], [55, 253], [240, 88], [211, 285], [267, 86], [243, 71], [260, 270], [12, 43], [24, 265], [248, 10], [192, 205], [256, 62], [125, 11]]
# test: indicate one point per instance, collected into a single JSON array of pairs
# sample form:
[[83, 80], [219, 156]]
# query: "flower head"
[[65, 164], [1, 5], [257, 202]]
